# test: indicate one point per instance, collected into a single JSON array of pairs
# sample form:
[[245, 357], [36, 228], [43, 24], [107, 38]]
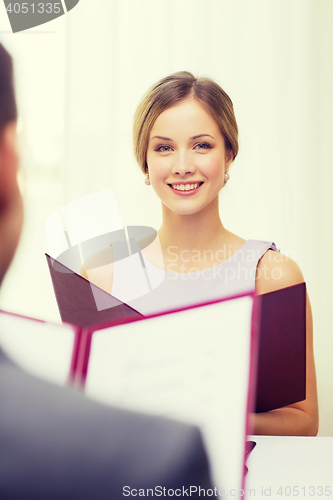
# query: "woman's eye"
[[203, 145], [163, 149]]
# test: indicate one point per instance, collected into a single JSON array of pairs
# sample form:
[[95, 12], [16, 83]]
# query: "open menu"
[[281, 367], [192, 364]]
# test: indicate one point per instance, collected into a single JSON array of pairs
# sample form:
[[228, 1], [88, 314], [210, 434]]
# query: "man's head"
[[10, 199]]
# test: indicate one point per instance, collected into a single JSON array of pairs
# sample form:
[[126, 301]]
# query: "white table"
[[282, 467]]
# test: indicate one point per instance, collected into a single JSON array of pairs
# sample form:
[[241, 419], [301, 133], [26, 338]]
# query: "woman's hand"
[[98, 269]]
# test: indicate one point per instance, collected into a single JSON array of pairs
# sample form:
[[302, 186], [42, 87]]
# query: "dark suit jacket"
[[57, 444]]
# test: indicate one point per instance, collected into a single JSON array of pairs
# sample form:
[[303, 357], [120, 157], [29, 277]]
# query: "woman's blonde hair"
[[170, 91]]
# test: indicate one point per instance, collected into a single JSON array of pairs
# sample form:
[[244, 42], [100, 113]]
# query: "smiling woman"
[[187, 164], [185, 139]]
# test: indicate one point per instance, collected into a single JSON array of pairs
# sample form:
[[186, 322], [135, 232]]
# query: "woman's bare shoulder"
[[276, 271]]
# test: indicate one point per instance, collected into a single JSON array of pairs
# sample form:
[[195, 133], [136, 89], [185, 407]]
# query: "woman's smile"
[[186, 189]]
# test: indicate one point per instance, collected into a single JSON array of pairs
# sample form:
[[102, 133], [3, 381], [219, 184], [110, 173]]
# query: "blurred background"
[[80, 77]]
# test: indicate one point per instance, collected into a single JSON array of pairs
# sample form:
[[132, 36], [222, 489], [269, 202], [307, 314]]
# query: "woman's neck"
[[189, 232], [190, 237]]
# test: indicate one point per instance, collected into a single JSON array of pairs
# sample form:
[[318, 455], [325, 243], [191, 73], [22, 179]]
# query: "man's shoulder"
[[56, 439]]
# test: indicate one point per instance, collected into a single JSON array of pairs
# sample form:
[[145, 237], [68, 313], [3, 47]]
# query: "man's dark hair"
[[8, 110]]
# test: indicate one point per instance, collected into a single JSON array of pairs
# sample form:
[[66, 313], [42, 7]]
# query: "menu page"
[[43, 349], [191, 365]]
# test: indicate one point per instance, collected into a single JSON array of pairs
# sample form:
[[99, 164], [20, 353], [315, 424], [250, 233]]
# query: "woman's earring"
[[226, 177], [147, 180]]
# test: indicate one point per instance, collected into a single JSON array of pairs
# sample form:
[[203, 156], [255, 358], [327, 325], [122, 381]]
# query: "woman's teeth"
[[185, 187]]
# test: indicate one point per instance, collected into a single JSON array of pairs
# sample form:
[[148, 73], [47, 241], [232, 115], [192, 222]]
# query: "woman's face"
[[187, 158]]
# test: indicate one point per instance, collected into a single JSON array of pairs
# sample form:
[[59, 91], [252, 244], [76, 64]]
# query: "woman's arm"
[[277, 271]]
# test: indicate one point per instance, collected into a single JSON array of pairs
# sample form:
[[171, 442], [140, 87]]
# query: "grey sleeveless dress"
[[151, 290]]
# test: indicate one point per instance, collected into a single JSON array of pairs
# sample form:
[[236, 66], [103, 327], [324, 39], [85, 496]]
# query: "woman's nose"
[[183, 165]]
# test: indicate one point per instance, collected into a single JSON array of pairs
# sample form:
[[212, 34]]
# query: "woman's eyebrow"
[[160, 137], [191, 138], [201, 135]]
